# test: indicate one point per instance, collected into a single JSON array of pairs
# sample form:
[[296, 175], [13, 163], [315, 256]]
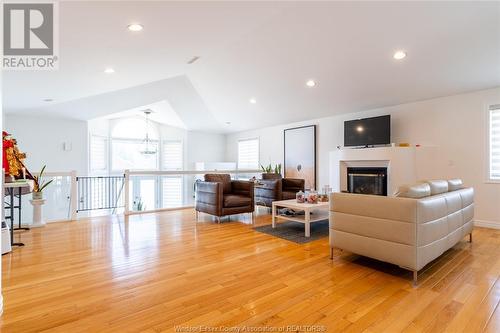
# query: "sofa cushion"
[[233, 200], [455, 184], [414, 191], [225, 179], [438, 186]]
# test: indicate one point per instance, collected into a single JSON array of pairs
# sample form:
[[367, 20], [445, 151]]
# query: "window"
[[127, 145], [494, 142], [127, 154], [172, 155], [172, 186], [172, 191], [98, 154], [248, 154]]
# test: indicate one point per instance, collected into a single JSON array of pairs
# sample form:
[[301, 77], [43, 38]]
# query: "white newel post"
[[126, 194], [74, 196], [37, 213]]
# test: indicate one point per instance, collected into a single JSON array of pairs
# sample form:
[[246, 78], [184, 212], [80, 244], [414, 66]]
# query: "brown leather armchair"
[[218, 195], [273, 187]]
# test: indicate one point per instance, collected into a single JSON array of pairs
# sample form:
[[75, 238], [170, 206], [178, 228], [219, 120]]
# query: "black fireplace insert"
[[367, 181]]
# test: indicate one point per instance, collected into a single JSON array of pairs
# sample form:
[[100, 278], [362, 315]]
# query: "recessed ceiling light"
[[135, 27], [48, 100], [228, 123], [310, 83], [253, 101], [109, 70], [398, 55]]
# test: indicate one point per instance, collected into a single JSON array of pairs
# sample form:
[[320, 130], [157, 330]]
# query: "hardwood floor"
[[153, 272]]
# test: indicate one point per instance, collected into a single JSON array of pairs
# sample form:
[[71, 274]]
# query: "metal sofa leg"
[[218, 219], [331, 253], [470, 237], [415, 277]]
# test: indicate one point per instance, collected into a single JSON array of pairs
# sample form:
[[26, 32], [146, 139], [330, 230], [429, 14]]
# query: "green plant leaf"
[[44, 185], [41, 172]]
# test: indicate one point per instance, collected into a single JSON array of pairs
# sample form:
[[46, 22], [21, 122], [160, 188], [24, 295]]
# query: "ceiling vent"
[[193, 59]]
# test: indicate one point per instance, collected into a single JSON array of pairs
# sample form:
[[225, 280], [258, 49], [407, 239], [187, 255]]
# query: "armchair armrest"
[[209, 197]]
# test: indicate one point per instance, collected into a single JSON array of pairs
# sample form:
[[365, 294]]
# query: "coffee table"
[[320, 213]]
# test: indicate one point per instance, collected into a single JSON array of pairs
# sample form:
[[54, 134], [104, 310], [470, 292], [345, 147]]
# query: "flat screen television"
[[368, 131]]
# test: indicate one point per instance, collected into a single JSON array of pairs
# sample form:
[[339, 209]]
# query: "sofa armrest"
[[379, 227]]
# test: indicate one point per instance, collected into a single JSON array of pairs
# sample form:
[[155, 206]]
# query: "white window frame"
[[258, 151], [489, 110]]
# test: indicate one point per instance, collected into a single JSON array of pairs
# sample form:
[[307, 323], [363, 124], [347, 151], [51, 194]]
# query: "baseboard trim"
[[486, 224]]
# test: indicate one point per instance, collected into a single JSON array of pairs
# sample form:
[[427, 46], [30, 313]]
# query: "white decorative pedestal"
[[37, 213]]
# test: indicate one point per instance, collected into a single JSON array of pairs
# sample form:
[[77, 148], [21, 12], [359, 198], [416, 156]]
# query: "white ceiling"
[[160, 112], [261, 50]]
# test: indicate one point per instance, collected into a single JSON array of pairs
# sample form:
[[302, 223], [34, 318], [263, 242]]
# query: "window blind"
[[172, 186], [172, 155], [248, 154], [172, 191], [494, 136], [98, 153]]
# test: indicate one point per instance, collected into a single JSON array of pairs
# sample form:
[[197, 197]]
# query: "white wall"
[[42, 140], [456, 124], [205, 147]]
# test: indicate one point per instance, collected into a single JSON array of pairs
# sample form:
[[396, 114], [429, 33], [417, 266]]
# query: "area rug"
[[294, 231]]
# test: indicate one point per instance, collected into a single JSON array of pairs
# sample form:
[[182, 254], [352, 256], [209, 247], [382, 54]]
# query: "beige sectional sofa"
[[406, 231]]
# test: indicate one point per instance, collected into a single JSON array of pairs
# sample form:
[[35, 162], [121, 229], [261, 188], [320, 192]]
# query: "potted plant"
[[270, 172], [39, 184]]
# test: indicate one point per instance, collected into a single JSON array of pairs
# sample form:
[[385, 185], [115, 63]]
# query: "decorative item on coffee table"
[[323, 197], [300, 196]]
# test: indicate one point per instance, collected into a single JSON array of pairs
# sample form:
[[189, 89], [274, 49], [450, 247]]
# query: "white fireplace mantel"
[[405, 165]]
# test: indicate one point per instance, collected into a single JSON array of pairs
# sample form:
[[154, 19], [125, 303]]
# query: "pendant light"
[[148, 145]]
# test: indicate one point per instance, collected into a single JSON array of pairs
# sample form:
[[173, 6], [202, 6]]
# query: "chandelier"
[[149, 147]]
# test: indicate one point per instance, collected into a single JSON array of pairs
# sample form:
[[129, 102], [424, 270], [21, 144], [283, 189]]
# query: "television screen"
[[368, 131]]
